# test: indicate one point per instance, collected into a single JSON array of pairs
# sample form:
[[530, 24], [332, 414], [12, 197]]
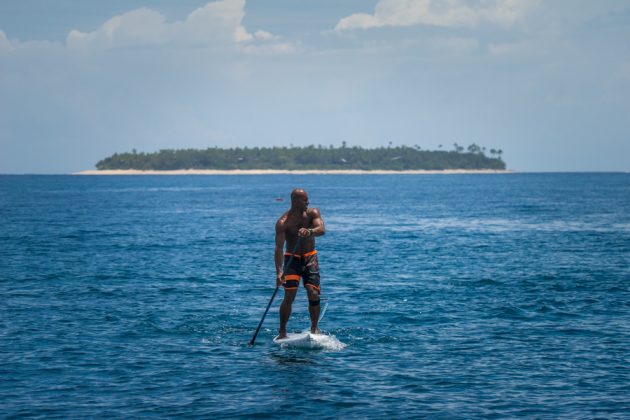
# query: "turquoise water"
[[456, 296]]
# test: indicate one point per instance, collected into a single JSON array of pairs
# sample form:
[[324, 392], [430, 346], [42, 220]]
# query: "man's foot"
[[281, 335], [315, 331]]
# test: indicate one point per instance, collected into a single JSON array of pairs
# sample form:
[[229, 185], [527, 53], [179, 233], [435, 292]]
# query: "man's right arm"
[[279, 251]]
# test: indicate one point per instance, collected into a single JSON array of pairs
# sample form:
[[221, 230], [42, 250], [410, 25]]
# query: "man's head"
[[299, 199]]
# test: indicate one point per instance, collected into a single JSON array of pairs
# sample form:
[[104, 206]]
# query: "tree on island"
[[309, 157]]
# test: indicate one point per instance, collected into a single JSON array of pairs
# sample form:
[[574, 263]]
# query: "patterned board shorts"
[[305, 266]]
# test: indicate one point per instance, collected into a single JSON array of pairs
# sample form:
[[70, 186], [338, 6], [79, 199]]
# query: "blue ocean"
[[455, 296]]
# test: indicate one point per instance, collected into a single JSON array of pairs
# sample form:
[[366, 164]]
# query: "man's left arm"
[[318, 228]]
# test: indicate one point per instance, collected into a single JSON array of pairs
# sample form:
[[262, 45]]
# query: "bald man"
[[299, 221]]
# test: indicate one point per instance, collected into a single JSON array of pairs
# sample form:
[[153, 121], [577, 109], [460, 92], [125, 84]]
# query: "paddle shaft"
[[251, 342]]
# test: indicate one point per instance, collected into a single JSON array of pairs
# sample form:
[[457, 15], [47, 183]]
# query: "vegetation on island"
[[397, 158]]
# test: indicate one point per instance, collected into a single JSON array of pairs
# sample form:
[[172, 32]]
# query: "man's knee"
[[313, 297]]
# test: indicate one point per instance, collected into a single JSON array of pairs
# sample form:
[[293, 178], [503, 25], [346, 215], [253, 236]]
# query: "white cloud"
[[142, 27], [448, 13], [264, 35], [218, 23], [270, 49], [5, 44], [507, 12]]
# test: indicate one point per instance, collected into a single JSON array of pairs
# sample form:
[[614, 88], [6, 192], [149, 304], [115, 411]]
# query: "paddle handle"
[[251, 342]]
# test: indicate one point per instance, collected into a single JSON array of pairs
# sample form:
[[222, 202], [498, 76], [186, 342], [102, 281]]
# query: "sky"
[[546, 81]]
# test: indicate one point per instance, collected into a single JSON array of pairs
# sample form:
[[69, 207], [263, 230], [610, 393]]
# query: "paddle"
[[251, 342]]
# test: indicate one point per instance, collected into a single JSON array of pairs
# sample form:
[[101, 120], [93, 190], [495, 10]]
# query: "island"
[[309, 159]]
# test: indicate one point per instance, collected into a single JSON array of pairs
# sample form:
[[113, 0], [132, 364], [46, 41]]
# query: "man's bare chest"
[[294, 223]]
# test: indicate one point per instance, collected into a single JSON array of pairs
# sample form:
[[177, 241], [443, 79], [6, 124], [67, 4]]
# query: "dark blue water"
[[457, 296]]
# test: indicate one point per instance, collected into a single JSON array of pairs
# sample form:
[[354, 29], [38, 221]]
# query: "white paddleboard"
[[305, 340]]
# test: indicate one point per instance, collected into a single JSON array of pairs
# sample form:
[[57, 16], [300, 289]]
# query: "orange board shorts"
[[303, 266]]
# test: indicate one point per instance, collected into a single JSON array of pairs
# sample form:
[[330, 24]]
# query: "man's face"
[[301, 202]]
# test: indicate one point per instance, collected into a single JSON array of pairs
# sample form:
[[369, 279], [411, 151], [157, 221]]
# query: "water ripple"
[[456, 297]]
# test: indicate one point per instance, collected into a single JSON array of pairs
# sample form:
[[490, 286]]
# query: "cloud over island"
[[448, 13], [218, 24]]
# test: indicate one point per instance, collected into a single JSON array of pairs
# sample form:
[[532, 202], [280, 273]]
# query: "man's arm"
[[318, 228], [279, 251]]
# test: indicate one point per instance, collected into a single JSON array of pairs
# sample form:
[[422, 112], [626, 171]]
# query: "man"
[[305, 223]]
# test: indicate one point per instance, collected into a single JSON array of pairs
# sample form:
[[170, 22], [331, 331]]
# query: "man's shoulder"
[[313, 212], [283, 218]]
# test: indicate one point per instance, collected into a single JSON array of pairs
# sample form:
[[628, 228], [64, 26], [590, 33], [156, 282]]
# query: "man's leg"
[[313, 308], [285, 310]]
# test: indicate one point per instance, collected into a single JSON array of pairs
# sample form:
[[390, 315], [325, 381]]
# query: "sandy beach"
[[296, 172]]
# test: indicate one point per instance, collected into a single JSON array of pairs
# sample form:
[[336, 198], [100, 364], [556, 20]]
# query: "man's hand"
[[280, 279], [304, 232]]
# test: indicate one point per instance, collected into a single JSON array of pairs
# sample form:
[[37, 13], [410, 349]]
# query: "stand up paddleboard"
[[304, 340]]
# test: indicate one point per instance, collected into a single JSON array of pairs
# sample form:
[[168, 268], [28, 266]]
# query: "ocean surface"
[[456, 296]]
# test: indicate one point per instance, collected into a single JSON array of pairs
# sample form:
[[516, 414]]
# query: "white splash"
[[316, 341]]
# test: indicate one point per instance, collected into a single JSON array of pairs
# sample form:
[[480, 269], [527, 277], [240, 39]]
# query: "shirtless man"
[[299, 221]]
